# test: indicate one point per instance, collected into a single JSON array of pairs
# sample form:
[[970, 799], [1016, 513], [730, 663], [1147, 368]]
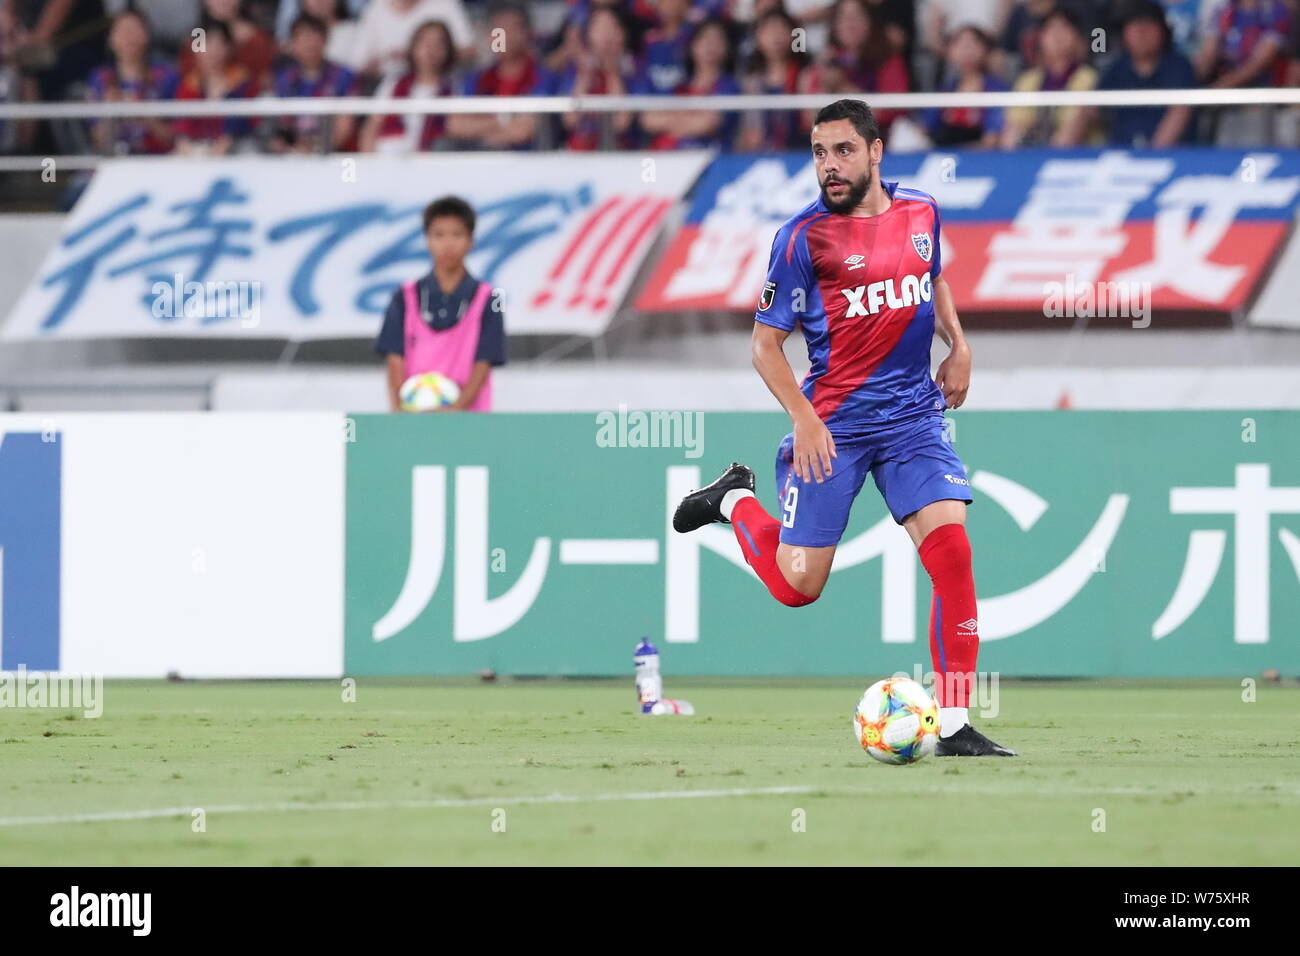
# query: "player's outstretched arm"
[[813, 445], [953, 376]]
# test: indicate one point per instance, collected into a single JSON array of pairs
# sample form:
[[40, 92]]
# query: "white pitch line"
[[113, 816]]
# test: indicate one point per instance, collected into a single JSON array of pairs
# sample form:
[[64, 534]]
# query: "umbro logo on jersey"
[[870, 299], [855, 262], [968, 626]]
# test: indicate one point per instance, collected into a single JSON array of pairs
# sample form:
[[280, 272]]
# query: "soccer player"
[[859, 270]]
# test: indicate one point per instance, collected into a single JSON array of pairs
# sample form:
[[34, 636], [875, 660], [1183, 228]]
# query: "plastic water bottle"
[[649, 685]]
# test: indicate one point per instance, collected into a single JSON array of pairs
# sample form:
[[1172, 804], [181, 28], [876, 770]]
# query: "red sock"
[[759, 534], [954, 627]]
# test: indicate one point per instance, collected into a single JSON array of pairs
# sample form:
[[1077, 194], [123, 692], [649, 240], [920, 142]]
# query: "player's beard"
[[857, 192]]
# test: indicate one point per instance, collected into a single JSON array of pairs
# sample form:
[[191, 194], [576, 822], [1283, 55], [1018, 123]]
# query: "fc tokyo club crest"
[[765, 300], [921, 243]]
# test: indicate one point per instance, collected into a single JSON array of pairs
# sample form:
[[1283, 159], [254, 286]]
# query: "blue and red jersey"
[[1242, 29], [240, 84], [330, 80], [159, 82], [862, 288], [664, 61]]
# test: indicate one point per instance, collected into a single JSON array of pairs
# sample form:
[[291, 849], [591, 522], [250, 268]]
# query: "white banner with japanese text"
[[314, 247]]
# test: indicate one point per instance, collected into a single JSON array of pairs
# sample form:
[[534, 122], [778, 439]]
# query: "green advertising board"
[[1105, 543]]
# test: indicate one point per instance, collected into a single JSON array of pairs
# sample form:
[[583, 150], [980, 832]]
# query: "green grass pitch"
[[429, 772]]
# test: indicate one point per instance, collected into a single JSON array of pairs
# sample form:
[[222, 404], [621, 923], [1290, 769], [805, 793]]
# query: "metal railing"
[[15, 393], [453, 105]]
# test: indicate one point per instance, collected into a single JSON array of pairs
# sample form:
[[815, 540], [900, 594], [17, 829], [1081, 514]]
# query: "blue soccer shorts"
[[912, 463]]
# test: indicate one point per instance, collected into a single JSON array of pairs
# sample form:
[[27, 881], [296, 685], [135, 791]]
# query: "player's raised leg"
[[794, 575]]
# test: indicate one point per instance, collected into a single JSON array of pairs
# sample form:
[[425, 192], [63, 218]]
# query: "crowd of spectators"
[[115, 50]]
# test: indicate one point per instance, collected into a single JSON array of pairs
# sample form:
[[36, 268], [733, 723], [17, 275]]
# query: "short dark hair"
[[712, 23], [981, 36], [305, 21], [624, 23], [450, 206], [1065, 16], [511, 8], [1145, 10], [137, 14], [211, 25], [856, 112]]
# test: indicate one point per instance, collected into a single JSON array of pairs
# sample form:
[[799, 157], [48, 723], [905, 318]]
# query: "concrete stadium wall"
[[597, 387]]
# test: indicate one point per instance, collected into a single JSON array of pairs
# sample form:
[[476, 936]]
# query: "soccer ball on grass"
[[897, 721]]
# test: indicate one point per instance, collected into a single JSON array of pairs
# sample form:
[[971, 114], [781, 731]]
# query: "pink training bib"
[[447, 351]]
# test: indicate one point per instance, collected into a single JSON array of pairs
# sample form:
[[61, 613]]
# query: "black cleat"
[[969, 742], [703, 506]]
